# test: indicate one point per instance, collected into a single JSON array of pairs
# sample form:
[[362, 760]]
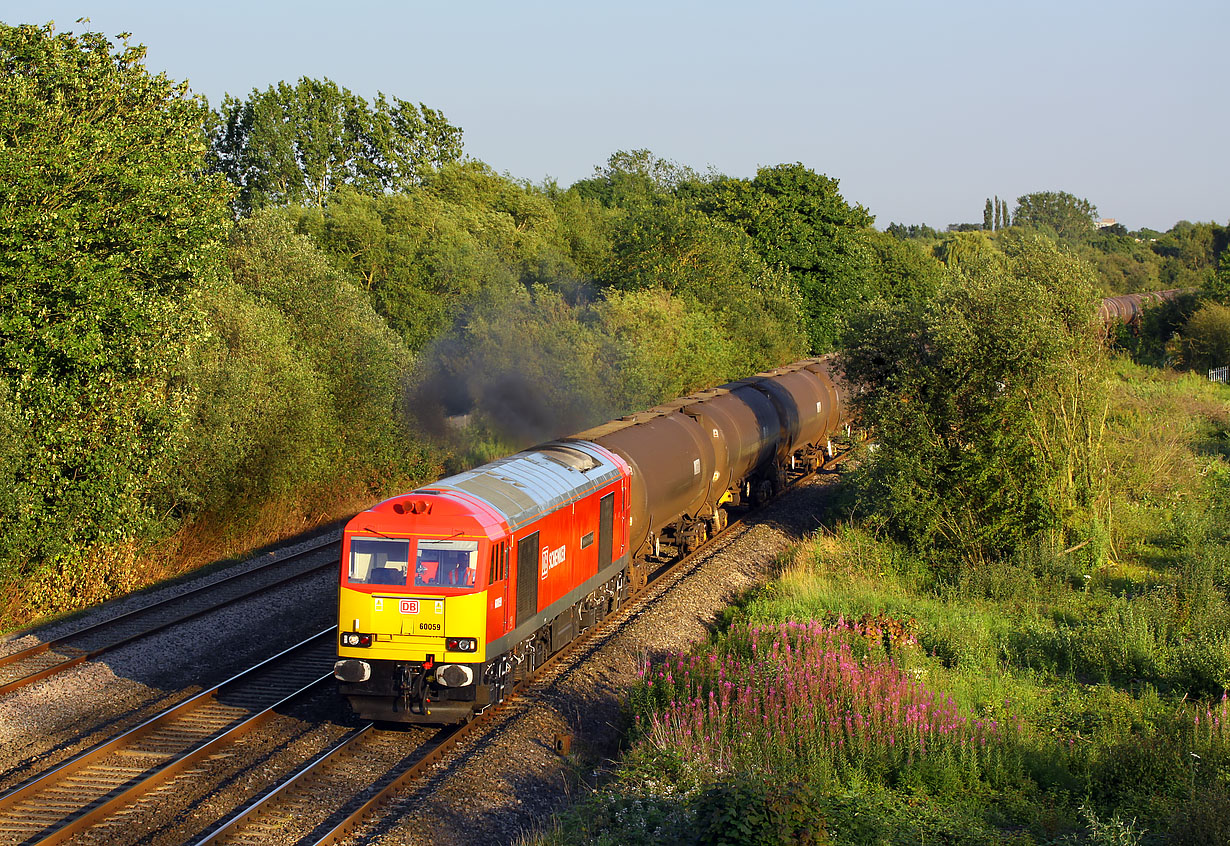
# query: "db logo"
[[552, 558], [409, 606]]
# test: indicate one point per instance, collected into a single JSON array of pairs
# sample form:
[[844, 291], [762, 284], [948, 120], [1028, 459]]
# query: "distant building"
[[1105, 222]]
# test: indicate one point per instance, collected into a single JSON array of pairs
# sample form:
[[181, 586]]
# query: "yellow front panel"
[[409, 628], [420, 616]]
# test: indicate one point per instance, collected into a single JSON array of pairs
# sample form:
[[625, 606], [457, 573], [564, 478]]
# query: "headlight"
[[356, 639], [461, 644]]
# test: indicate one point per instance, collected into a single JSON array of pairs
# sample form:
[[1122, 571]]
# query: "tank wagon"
[[452, 592], [1127, 308]]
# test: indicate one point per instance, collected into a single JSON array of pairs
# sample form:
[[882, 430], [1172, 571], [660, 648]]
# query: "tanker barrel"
[[749, 423], [825, 368], [811, 399], [672, 462]]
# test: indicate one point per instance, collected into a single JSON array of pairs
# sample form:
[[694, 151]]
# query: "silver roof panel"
[[525, 486]]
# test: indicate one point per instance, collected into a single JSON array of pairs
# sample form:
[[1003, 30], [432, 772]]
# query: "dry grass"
[[104, 573]]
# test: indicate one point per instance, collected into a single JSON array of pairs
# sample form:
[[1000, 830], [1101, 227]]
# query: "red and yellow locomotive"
[[448, 592]]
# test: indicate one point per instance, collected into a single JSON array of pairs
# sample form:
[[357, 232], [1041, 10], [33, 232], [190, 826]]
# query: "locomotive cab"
[[413, 610]]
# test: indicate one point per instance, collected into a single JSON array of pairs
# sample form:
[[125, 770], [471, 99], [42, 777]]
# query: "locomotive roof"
[[525, 486]]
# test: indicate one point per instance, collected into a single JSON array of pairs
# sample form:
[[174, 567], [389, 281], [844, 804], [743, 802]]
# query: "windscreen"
[[377, 561], [446, 563]]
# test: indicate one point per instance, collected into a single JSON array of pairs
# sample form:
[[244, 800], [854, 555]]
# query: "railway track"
[[299, 806], [26, 666], [88, 791]]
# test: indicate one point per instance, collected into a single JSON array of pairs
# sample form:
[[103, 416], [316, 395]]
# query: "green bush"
[[747, 811], [300, 384], [986, 401], [109, 235], [1205, 338], [1203, 819]]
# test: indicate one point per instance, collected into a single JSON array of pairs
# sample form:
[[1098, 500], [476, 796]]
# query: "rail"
[[86, 790]]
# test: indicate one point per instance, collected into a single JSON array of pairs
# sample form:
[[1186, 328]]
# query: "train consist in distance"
[[1128, 308], [451, 593]]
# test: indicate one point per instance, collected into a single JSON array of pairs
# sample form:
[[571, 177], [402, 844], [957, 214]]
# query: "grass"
[[70, 584], [865, 697]]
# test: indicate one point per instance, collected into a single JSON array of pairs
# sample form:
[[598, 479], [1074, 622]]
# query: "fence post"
[[1219, 374]]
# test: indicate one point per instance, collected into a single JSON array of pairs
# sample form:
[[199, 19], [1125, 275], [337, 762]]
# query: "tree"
[[919, 231], [988, 217], [108, 233], [1205, 338], [631, 178], [999, 215], [300, 383], [1218, 286], [986, 402], [424, 255], [712, 270], [297, 144], [907, 269], [961, 247], [1056, 213], [797, 220]]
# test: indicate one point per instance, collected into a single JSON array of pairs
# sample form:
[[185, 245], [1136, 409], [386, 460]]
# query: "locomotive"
[[451, 593]]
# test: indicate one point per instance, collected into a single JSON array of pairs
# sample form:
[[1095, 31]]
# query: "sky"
[[921, 110]]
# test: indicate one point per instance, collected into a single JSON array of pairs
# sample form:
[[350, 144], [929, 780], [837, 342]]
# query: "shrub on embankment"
[[146, 385]]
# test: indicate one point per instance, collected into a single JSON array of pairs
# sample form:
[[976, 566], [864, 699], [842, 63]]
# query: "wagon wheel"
[[764, 491]]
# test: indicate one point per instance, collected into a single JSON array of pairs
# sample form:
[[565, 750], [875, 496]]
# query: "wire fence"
[[1219, 374]]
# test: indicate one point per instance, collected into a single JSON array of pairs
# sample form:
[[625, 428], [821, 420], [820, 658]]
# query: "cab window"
[[446, 563], [378, 561]]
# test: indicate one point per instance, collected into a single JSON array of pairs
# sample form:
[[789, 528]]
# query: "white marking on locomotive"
[[552, 558]]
